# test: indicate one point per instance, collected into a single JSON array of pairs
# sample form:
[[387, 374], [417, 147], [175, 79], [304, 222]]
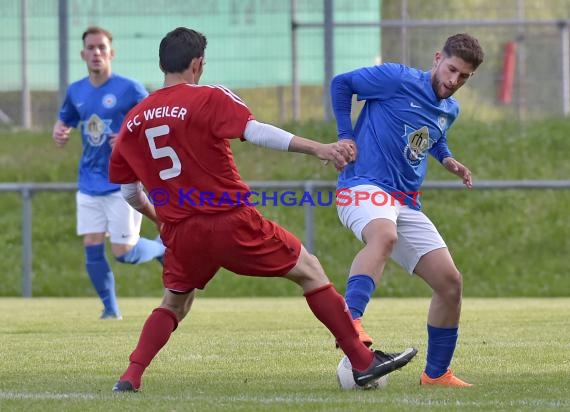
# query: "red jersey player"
[[175, 144]]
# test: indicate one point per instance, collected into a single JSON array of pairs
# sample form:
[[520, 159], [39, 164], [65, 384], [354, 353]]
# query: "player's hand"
[[351, 148], [459, 170], [112, 139], [61, 134], [338, 153]]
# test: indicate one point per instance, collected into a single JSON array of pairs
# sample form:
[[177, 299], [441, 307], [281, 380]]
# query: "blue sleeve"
[[67, 114], [341, 99], [139, 92], [440, 150], [377, 82]]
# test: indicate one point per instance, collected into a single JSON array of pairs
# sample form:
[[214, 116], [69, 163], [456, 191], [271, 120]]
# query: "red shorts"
[[242, 241]]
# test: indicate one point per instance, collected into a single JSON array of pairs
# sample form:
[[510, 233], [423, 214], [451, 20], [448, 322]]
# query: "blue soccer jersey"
[[98, 112], [401, 122]]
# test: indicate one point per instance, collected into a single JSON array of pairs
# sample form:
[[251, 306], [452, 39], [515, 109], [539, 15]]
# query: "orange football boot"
[[362, 334], [447, 379]]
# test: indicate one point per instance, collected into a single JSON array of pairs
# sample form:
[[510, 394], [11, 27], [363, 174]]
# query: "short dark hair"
[[179, 47], [466, 47], [97, 30]]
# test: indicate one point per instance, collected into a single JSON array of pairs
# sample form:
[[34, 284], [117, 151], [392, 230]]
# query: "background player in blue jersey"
[[96, 105], [406, 116]]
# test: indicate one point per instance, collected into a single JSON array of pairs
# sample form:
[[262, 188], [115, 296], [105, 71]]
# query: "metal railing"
[[27, 190]]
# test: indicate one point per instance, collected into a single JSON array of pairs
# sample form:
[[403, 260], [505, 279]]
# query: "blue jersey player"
[[96, 105], [406, 116]]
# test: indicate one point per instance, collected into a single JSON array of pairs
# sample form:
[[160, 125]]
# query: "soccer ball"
[[346, 380]]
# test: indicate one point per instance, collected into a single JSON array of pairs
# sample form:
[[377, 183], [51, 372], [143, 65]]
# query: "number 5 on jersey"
[[167, 151]]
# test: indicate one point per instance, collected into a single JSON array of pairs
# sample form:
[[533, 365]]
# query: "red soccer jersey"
[[176, 143]]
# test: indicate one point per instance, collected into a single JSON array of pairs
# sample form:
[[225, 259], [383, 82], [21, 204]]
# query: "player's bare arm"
[[338, 153], [60, 133], [458, 169], [272, 137]]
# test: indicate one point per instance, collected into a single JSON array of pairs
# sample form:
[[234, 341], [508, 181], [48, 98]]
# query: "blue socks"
[[441, 345], [359, 289], [100, 272], [441, 341], [101, 277], [143, 251]]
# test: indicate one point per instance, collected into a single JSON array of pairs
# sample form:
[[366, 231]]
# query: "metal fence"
[[27, 190], [299, 43]]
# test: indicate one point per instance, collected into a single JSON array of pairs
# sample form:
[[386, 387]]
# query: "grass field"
[[270, 354]]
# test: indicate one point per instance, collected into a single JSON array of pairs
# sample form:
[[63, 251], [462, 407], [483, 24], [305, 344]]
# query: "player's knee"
[[388, 242], [92, 239], [178, 303], [120, 251], [454, 287], [315, 270], [383, 244], [307, 270]]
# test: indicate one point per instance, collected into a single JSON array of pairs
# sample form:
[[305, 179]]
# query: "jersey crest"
[[96, 130], [442, 122], [109, 101], [418, 143]]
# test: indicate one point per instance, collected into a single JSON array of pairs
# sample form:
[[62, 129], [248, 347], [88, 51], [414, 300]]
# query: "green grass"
[[270, 354], [506, 243]]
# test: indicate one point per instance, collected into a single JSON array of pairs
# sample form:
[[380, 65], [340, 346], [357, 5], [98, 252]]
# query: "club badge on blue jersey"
[[109, 101], [419, 143], [96, 130], [442, 122]]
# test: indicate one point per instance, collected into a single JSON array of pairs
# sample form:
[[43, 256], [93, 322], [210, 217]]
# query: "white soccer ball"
[[346, 380]]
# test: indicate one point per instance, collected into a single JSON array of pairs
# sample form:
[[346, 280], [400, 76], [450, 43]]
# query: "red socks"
[[330, 308], [154, 335]]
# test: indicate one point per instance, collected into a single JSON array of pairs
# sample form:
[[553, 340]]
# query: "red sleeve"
[[119, 170], [229, 114]]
